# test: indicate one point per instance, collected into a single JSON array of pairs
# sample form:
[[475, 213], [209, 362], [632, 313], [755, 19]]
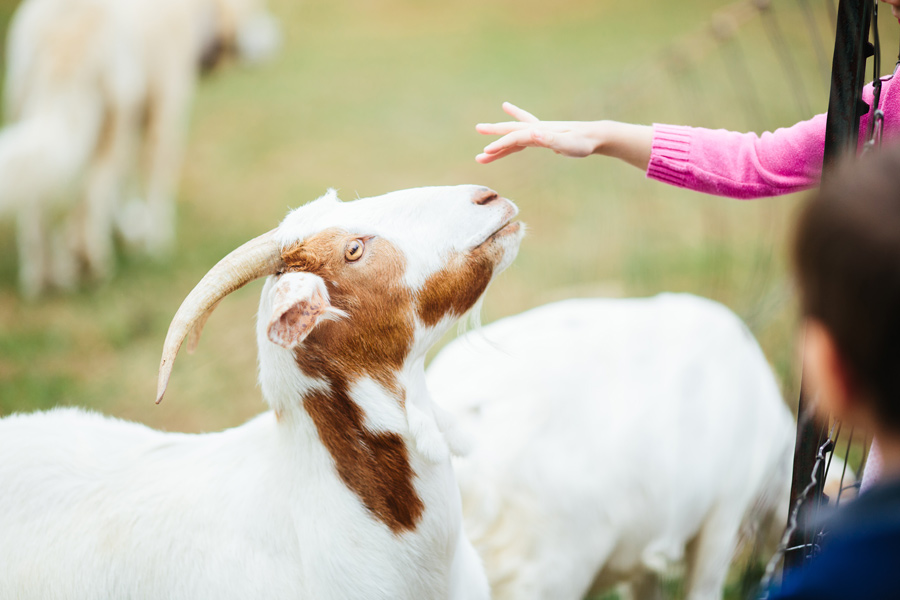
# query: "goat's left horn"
[[257, 258]]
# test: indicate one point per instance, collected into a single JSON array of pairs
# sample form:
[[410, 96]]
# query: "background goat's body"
[[95, 88], [614, 438]]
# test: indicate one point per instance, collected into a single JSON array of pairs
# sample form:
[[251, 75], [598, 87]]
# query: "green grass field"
[[368, 97]]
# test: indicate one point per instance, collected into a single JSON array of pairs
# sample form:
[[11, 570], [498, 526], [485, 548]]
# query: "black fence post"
[[845, 107]]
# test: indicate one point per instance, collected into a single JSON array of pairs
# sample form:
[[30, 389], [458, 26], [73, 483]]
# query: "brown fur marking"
[[378, 334], [456, 288], [373, 341], [375, 466]]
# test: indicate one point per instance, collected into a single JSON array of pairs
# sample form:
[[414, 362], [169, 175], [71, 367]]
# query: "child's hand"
[[631, 143], [569, 138]]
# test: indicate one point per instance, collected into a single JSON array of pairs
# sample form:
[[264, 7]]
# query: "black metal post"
[[845, 107]]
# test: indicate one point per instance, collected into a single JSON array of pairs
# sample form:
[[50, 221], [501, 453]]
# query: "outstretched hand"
[[577, 139], [569, 138]]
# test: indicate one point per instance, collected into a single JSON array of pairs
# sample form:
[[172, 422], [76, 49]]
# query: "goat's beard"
[[471, 320]]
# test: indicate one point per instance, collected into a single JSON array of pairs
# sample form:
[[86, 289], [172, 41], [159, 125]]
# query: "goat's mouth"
[[508, 227], [511, 227], [507, 224]]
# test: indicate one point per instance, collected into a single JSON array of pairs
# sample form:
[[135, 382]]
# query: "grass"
[[369, 97]]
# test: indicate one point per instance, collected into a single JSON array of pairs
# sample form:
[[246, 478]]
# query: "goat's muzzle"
[[257, 258]]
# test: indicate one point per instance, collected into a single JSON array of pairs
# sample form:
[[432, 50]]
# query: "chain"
[[824, 449], [876, 125]]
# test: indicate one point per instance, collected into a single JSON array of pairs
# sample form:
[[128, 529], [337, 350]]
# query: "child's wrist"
[[602, 135], [625, 141]]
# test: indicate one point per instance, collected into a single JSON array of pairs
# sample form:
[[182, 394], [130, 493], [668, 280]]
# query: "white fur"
[[609, 434], [93, 507], [95, 89]]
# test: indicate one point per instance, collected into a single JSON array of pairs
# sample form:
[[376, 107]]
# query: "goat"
[[611, 439], [95, 88], [343, 490]]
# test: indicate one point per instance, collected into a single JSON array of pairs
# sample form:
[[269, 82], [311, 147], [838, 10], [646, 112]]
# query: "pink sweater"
[[746, 165]]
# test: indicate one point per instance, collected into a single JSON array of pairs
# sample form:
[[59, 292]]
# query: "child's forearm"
[[627, 142]]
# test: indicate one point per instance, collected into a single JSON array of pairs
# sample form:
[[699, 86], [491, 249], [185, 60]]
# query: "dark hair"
[[847, 261]]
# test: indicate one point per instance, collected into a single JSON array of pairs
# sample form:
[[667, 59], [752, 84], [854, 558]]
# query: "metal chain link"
[[766, 583], [876, 125]]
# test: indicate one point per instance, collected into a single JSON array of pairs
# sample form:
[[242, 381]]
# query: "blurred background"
[[369, 97]]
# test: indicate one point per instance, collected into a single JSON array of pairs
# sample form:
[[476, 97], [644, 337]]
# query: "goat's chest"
[[347, 551], [362, 559]]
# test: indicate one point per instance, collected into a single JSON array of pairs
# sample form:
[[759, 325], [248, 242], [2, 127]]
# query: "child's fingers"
[[500, 128], [522, 137], [518, 113], [489, 158]]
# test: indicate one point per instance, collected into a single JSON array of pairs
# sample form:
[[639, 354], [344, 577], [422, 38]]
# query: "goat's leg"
[[645, 586], [709, 554], [64, 250], [105, 185], [165, 133], [33, 250], [559, 572]]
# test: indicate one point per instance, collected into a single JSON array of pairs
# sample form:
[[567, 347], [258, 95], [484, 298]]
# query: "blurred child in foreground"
[[847, 264]]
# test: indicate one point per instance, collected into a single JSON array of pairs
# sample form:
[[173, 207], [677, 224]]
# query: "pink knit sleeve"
[[746, 165], [739, 165]]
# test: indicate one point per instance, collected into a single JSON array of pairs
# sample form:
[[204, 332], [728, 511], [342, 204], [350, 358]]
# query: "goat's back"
[[96, 507], [606, 433]]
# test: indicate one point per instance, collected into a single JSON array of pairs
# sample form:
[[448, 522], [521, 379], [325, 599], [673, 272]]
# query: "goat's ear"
[[299, 301]]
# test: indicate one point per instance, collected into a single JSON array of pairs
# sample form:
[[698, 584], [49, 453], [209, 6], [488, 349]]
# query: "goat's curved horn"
[[257, 258]]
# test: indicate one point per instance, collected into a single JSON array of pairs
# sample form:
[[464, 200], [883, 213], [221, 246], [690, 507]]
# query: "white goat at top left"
[[97, 94]]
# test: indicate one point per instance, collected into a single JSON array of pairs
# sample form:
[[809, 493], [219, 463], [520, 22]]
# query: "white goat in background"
[[612, 439], [95, 88], [344, 490]]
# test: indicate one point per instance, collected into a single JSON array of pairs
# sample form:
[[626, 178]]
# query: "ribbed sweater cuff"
[[670, 154]]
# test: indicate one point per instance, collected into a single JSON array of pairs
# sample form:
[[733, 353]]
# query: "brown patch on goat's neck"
[[372, 341], [375, 466], [456, 288]]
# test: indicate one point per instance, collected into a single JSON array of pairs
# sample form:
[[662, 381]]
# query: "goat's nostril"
[[484, 197]]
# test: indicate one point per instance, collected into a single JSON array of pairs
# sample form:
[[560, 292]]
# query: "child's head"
[[847, 261]]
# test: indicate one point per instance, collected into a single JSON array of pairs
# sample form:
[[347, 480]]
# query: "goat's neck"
[[373, 434]]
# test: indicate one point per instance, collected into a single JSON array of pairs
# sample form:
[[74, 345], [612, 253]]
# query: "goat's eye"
[[354, 250]]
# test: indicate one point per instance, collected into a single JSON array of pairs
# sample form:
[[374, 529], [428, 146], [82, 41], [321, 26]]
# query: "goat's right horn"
[[257, 258]]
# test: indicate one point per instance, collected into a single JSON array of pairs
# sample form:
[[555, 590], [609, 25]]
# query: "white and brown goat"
[[97, 94], [343, 490]]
